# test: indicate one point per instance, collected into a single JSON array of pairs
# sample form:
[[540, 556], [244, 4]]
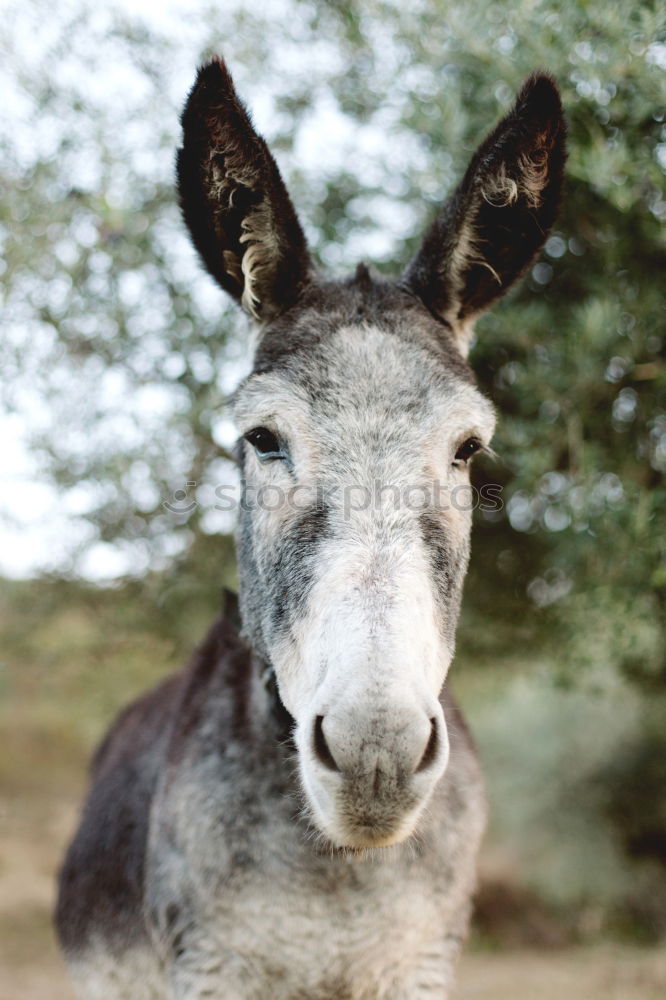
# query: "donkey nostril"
[[322, 752], [432, 746]]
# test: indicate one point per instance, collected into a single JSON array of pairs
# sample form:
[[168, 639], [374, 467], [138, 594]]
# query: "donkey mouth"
[[377, 823], [364, 837], [360, 835]]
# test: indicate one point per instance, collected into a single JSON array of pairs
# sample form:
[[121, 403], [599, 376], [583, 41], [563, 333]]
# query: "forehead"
[[364, 374]]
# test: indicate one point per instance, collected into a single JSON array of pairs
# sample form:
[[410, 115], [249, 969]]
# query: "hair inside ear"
[[498, 218], [234, 201]]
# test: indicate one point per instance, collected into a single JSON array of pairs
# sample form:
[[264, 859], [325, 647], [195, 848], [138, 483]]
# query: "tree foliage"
[[117, 352]]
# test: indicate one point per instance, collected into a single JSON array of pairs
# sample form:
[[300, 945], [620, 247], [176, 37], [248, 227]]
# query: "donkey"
[[296, 815]]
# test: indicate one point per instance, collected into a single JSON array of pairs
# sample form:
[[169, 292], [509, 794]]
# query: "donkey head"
[[358, 424]]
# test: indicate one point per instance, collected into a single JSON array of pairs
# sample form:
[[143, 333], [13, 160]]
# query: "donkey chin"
[[367, 787]]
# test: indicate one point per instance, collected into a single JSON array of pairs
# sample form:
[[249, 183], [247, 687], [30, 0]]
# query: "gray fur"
[[296, 816], [241, 898]]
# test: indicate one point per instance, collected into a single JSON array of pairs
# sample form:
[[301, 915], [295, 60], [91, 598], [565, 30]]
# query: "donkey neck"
[[263, 666]]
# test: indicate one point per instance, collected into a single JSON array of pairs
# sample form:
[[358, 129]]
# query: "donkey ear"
[[234, 201], [498, 219]]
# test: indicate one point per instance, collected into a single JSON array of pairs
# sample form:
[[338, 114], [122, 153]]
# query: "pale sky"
[[38, 527]]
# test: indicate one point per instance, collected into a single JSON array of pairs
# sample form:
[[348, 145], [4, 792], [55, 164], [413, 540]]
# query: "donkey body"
[[297, 814]]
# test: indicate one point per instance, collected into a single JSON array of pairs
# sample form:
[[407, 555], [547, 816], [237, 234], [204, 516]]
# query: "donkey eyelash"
[[483, 449]]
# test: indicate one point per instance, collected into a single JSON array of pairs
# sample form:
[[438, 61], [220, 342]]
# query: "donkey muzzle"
[[369, 777]]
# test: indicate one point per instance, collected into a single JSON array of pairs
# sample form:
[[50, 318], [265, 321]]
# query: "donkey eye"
[[265, 443], [467, 449]]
